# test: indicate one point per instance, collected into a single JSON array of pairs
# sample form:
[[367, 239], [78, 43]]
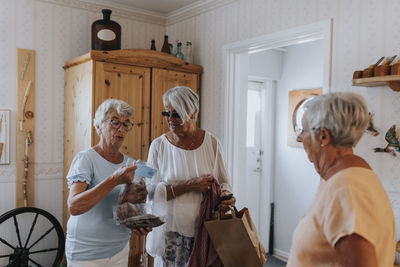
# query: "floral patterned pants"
[[177, 249]]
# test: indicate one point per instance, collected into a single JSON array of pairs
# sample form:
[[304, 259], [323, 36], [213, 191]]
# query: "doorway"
[[250, 114]]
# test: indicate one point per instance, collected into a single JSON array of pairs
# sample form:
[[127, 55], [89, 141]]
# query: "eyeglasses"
[[127, 125], [298, 130], [173, 115]]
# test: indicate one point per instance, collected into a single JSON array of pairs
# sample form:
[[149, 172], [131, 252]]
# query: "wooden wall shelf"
[[393, 81]]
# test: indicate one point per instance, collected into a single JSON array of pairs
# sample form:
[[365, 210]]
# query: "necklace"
[[194, 140], [190, 147]]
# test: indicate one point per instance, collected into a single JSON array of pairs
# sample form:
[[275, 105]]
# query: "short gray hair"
[[108, 106], [184, 101], [344, 115]]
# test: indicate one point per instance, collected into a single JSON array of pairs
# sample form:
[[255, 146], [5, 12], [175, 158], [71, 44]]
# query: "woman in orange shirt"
[[350, 221]]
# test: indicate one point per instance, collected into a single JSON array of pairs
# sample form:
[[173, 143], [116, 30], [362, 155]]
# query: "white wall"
[[363, 31], [266, 64], [295, 179], [57, 31]]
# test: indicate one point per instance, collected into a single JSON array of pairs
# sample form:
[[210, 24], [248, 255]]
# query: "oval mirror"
[[298, 115]]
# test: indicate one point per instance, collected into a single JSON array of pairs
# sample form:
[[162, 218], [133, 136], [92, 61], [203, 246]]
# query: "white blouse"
[[177, 165]]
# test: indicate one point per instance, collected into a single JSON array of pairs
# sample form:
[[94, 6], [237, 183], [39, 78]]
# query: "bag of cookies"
[[134, 206]]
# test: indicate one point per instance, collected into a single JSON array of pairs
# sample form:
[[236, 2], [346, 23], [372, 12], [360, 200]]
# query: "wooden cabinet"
[[139, 77], [163, 80], [131, 84]]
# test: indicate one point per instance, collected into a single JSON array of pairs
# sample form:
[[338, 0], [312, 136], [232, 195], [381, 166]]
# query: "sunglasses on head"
[[173, 115]]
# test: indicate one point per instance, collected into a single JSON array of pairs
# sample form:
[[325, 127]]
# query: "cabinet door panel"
[[162, 81], [131, 84], [77, 119]]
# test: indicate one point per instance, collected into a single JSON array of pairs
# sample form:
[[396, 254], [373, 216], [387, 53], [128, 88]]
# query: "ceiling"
[[157, 6]]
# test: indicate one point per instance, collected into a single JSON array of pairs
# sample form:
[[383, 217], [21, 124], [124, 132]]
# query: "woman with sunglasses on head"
[[189, 161], [350, 222], [95, 178]]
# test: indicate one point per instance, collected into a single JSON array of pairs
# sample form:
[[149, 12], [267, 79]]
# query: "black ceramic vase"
[[106, 34]]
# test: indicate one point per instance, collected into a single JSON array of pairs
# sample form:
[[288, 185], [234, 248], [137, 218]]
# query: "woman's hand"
[[124, 175], [200, 184], [226, 204], [197, 184], [142, 231]]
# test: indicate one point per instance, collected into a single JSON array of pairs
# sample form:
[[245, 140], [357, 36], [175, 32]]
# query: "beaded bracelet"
[[172, 191]]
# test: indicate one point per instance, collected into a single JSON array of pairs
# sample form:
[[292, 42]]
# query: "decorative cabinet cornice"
[[184, 13], [138, 15], [195, 10]]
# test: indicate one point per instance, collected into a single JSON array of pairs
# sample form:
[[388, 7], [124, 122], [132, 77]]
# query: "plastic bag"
[[136, 215], [133, 193], [134, 209]]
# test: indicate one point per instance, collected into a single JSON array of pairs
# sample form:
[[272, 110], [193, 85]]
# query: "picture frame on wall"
[[297, 99], [5, 117]]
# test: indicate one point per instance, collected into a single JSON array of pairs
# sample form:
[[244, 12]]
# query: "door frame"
[[236, 64]]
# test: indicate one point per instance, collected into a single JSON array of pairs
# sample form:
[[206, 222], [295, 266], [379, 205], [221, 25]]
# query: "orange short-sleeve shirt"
[[351, 201]]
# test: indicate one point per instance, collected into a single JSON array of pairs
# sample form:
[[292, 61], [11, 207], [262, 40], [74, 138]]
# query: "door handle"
[[139, 124], [258, 152], [257, 169]]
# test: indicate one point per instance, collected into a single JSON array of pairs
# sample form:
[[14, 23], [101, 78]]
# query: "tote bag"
[[236, 240]]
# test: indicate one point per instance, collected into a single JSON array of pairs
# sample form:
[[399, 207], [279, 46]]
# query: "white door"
[[255, 184], [254, 151]]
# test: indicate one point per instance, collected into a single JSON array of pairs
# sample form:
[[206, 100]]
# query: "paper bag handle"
[[233, 211]]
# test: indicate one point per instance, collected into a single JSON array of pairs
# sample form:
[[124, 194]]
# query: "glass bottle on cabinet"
[[165, 47], [189, 52], [175, 48], [153, 45], [106, 33], [179, 53]]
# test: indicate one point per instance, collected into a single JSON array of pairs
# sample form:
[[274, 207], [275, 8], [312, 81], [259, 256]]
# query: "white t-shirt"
[[352, 201], [177, 165], [94, 234]]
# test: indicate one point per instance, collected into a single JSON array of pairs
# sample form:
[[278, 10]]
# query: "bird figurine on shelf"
[[371, 129], [393, 146]]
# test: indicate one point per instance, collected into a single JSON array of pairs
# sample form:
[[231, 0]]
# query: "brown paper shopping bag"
[[236, 240]]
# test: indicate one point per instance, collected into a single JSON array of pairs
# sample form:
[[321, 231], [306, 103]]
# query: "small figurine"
[[371, 129], [393, 146]]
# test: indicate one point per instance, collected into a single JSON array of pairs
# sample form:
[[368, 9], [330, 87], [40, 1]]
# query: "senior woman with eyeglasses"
[[95, 178], [350, 221], [189, 160]]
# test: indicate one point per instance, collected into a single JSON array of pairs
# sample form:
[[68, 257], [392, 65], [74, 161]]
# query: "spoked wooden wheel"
[[30, 237]]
